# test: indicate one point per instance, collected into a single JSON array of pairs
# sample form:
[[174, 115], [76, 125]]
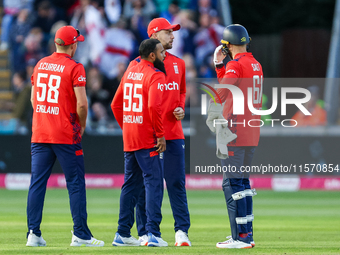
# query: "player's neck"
[[234, 53], [68, 52]]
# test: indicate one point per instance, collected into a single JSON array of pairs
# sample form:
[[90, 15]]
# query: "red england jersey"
[[174, 91], [55, 118], [245, 72], [137, 106]]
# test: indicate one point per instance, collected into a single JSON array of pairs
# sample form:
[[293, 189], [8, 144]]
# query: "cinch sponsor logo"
[[169, 86], [81, 78]]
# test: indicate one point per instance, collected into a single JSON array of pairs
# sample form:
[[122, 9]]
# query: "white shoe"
[[93, 242], [34, 241], [156, 241], [233, 244], [182, 239], [125, 241], [143, 240]]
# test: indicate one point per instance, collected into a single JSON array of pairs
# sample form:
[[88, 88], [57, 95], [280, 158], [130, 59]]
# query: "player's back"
[[55, 118], [174, 86], [138, 126], [250, 75]]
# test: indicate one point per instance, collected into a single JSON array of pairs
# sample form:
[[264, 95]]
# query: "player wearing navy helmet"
[[243, 71]]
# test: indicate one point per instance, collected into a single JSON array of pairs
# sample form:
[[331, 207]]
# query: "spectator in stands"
[[145, 8], [163, 5], [55, 27], [22, 110], [315, 107], [95, 27], [11, 8], [99, 98], [113, 10], [139, 13], [47, 15], [78, 20], [190, 74], [116, 51], [30, 68], [19, 30], [33, 44], [20, 106], [183, 41], [206, 40]]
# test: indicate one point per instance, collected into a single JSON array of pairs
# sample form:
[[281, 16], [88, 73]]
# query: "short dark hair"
[[147, 46]]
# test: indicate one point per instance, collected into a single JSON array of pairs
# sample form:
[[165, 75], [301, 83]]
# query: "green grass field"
[[285, 223]]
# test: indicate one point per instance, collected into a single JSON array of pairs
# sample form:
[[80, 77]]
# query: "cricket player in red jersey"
[[59, 118], [173, 112], [245, 72], [137, 106]]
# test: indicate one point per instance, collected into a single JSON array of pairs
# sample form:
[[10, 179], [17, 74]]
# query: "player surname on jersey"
[[50, 109], [51, 67], [133, 119]]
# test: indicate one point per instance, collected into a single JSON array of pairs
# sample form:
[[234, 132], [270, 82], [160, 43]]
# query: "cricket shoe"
[[252, 242], [154, 241], [34, 241], [125, 241], [93, 242], [234, 244], [182, 239], [143, 240]]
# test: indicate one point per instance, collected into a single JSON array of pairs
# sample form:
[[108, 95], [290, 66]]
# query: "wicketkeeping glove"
[[223, 137], [215, 113]]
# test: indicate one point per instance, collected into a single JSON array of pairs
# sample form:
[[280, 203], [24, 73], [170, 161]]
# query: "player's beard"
[[159, 65]]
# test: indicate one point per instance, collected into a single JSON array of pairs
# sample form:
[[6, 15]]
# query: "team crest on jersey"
[[176, 68]]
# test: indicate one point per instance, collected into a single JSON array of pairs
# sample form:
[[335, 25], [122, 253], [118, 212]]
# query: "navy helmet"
[[235, 34]]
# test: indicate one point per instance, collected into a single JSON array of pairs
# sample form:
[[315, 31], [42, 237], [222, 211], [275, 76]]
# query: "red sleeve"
[[155, 103], [227, 75], [183, 88], [117, 105], [78, 76]]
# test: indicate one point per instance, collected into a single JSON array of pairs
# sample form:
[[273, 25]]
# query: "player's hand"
[[82, 130], [179, 113], [161, 145], [218, 55]]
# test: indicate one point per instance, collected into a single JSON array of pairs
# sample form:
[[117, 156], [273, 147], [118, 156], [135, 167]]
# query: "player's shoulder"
[[156, 73], [136, 61], [71, 61], [173, 57]]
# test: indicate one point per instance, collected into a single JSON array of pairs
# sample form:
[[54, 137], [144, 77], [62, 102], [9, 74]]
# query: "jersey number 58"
[[53, 86]]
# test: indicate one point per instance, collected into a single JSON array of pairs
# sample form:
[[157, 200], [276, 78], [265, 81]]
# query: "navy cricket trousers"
[[142, 168], [239, 180], [71, 159], [174, 175]]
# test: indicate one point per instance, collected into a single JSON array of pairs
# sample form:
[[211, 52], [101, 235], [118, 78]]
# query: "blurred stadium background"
[[291, 39]]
